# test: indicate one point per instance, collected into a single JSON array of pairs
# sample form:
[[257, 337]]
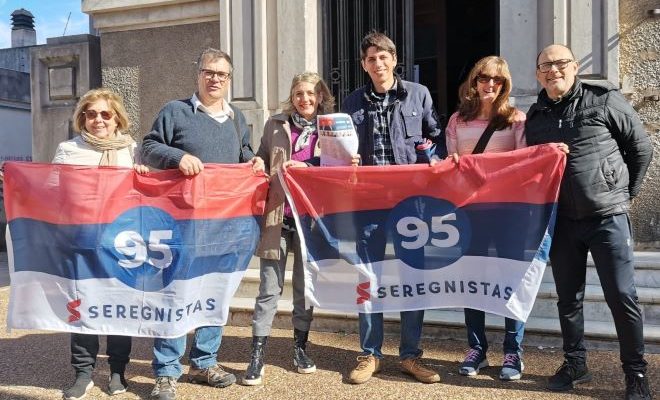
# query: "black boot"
[[255, 371], [637, 387], [300, 359]]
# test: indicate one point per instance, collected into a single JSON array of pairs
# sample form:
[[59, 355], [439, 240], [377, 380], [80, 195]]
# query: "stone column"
[[518, 20], [270, 42]]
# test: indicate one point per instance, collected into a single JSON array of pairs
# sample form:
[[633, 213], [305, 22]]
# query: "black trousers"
[[84, 349], [611, 244]]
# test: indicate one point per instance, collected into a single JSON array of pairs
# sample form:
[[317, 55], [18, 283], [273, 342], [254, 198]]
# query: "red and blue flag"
[[474, 234], [109, 251]]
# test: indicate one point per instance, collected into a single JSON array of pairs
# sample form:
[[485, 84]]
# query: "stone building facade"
[[148, 49], [639, 66]]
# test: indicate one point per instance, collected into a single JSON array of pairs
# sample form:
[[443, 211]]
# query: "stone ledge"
[[127, 15]]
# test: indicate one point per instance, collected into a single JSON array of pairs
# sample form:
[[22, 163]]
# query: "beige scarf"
[[108, 146]]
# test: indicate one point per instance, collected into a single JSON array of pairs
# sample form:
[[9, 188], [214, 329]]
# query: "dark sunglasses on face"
[[560, 64], [91, 114], [498, 80]]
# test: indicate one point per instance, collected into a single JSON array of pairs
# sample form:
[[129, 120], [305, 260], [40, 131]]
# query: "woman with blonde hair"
[[100, 118], [289, 138], [486, 122]]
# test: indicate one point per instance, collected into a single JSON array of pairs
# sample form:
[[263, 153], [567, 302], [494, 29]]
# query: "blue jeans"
[[203, 353], [371, 334], [371, 248], [475, 322]]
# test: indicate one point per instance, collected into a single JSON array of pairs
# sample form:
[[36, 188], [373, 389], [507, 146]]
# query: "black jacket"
[[609, 148]]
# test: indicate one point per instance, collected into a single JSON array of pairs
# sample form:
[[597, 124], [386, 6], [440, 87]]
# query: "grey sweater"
[[178, 130]]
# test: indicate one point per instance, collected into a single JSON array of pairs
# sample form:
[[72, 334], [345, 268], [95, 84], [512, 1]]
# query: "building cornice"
[[128, 15]]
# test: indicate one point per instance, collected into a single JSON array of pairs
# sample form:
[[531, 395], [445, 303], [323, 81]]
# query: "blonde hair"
[[114, 101], [502, 113], [327, 104]]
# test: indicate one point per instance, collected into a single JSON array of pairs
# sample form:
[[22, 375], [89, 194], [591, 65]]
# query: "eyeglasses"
[[560, 64], [498, 80], [210, 74], [91, 114]]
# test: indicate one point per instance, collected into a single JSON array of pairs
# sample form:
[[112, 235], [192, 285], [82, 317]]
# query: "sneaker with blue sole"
[[475, 359]]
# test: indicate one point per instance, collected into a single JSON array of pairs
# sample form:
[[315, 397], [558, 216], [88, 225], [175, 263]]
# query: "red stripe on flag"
[[69, 194], [531, 175]]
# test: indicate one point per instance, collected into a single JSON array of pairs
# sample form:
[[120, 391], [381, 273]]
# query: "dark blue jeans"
[[611, 244], [371, 248], [371, 334], [475, 322], [485, 240]]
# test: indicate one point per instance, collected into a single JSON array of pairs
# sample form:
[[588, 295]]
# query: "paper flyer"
[[338, 139]]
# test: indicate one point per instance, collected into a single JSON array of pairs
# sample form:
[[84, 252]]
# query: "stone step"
[[647, 270], [539, 331], [595, 307], [545, 306]]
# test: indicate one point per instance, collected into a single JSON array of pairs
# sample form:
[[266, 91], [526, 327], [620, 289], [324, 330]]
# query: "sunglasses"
[[91, 114], [498, 80]]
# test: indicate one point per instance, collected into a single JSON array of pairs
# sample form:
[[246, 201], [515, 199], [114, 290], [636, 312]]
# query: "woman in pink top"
[[484, 101]]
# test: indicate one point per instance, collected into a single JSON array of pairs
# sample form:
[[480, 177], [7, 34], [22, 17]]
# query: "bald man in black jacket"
[[609, 153]]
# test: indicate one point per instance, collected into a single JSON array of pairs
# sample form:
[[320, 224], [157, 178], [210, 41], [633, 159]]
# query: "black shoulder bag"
[[483, 140]]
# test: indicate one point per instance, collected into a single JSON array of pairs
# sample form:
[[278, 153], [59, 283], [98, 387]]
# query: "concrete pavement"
[[35, 365]]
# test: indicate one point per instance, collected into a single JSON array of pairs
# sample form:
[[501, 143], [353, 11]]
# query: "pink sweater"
[[463, 136]]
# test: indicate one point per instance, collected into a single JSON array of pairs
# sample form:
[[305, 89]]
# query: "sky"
[[50, 18]]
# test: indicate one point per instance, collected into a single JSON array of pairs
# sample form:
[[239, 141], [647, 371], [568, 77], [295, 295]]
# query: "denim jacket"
[[412, 121]]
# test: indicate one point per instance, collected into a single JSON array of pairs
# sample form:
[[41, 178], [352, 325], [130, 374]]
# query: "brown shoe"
[[414, 367], [213, 376], [367, 366]]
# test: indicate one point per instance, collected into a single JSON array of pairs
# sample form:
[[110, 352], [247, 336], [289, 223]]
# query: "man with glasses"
[[609, 152], [204, 128]]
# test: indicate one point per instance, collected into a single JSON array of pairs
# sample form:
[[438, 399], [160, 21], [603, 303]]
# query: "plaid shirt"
[[383, 153]]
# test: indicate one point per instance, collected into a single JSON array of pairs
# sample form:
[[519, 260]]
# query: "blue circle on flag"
[[428, 233], [141, 248]]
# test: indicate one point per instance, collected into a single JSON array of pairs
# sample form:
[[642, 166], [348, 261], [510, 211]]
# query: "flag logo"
[[363, 292], [72, 308], [138, 247], [428, 233]]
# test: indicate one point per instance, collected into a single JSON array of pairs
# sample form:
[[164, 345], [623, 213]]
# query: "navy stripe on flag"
[[505, 230], [197, 247]]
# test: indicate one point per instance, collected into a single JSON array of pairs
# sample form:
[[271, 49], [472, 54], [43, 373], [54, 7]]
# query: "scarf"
[[307, 128], [108, 146]]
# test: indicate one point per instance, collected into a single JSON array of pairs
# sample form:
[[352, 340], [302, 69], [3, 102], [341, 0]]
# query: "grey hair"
[[213, 54]]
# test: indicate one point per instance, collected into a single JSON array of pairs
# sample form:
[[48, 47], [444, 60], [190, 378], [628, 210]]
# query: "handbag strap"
[[483, 140], [241, 159]]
